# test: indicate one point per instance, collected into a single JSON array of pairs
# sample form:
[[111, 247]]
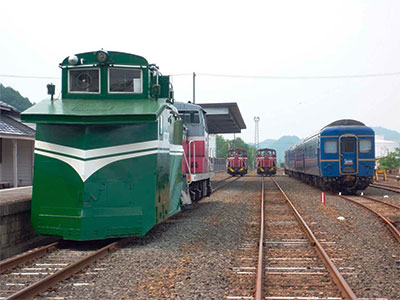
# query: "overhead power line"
[[292, 77], [29, 77]]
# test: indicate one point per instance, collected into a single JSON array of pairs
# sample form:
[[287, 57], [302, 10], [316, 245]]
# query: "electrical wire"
[[29, 77], [292, 77]]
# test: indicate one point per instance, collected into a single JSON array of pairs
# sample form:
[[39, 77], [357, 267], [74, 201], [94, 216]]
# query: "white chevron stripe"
[[86, 168], [87, 154]]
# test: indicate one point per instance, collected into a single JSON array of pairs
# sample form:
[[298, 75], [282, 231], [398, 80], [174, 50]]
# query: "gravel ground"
[[361, 239], [190, 256]]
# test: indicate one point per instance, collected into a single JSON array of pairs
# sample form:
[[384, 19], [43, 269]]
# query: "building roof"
[[7, 107], [223, 117], [10, 124]]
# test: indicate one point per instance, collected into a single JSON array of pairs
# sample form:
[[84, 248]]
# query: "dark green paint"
[[126, 197]]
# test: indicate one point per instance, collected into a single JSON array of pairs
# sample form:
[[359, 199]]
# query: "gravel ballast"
[[190, 256], [362, 241]]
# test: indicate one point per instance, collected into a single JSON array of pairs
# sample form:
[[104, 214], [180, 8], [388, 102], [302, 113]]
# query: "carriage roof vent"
[[345, 122]]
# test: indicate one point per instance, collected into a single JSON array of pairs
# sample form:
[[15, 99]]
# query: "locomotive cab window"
[[365, 145], [330, 146], [125, 81], [84, 81], [192, 117]]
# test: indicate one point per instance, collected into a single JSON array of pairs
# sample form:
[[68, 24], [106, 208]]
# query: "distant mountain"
[[12, 97], [388, 134], [280, 145]]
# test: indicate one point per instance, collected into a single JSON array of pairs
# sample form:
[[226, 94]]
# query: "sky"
[[298, 65]]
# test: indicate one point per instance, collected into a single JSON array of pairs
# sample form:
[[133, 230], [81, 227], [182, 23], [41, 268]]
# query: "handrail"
[[194, 157]]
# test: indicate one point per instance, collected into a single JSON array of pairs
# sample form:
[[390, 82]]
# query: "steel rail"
[[27, 256], [343, 286], [42, 285], [260, 261], [392, 228], [226, 183], [391, 188], [380, 201]]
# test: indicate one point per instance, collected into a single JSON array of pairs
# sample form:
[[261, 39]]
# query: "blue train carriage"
[[108, 153], [340, 157]]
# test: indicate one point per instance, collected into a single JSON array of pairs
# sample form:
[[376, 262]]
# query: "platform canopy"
[[223, 117]]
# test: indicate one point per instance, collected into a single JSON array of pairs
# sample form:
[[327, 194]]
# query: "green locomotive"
[[108, 154]]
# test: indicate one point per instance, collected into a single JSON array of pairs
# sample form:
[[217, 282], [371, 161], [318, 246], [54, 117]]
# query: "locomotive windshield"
[[125, 81], [84, 81], [190, 117]]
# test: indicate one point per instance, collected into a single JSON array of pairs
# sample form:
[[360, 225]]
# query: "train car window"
[[365, 145], [125, 81], [348, 145], [330, 146], [84, 81]]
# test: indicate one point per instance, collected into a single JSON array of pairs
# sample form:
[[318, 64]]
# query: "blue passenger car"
[[341, 157]]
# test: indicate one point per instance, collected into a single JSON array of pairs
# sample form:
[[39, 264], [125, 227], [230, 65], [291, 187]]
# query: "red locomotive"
[[237, 162], [266, 161], [196, 164]]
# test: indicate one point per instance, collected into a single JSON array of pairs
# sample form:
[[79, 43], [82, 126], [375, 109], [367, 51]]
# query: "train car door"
[[348, 154]]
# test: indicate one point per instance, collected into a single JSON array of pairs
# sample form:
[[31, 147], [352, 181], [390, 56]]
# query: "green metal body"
[[106, 165]]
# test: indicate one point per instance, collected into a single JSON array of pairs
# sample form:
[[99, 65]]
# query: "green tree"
[[391, 161], [224, 145]]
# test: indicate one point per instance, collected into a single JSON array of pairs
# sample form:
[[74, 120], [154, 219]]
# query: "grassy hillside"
[[14, 98]]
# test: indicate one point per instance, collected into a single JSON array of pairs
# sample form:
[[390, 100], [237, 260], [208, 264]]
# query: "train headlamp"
[[101, 56], [73, 60]]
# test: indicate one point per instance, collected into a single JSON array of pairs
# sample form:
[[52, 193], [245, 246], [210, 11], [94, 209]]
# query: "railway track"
[[32, 273], [224, 182], [389, 213], [291, 262], [388, 187]]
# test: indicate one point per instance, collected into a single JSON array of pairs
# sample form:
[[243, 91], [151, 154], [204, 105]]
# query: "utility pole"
[[194, 87]]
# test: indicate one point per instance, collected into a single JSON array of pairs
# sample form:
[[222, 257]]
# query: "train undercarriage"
[[348, 184]]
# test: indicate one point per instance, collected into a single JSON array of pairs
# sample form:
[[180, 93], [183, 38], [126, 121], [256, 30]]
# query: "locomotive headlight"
[[73, 60], [101, 56]]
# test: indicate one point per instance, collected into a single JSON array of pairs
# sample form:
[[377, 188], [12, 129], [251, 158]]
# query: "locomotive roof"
[[89, 58], [221, 117], [188, 106], [94, 111], [240, 149], [265, 149]]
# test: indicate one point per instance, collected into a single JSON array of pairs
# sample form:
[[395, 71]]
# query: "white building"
[[383, 147], [16, 149]]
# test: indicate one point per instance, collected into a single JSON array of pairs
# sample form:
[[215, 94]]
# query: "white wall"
[[25, 162], [384, 147]]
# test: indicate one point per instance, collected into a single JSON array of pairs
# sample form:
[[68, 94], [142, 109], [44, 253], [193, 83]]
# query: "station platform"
[[16, 232]]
